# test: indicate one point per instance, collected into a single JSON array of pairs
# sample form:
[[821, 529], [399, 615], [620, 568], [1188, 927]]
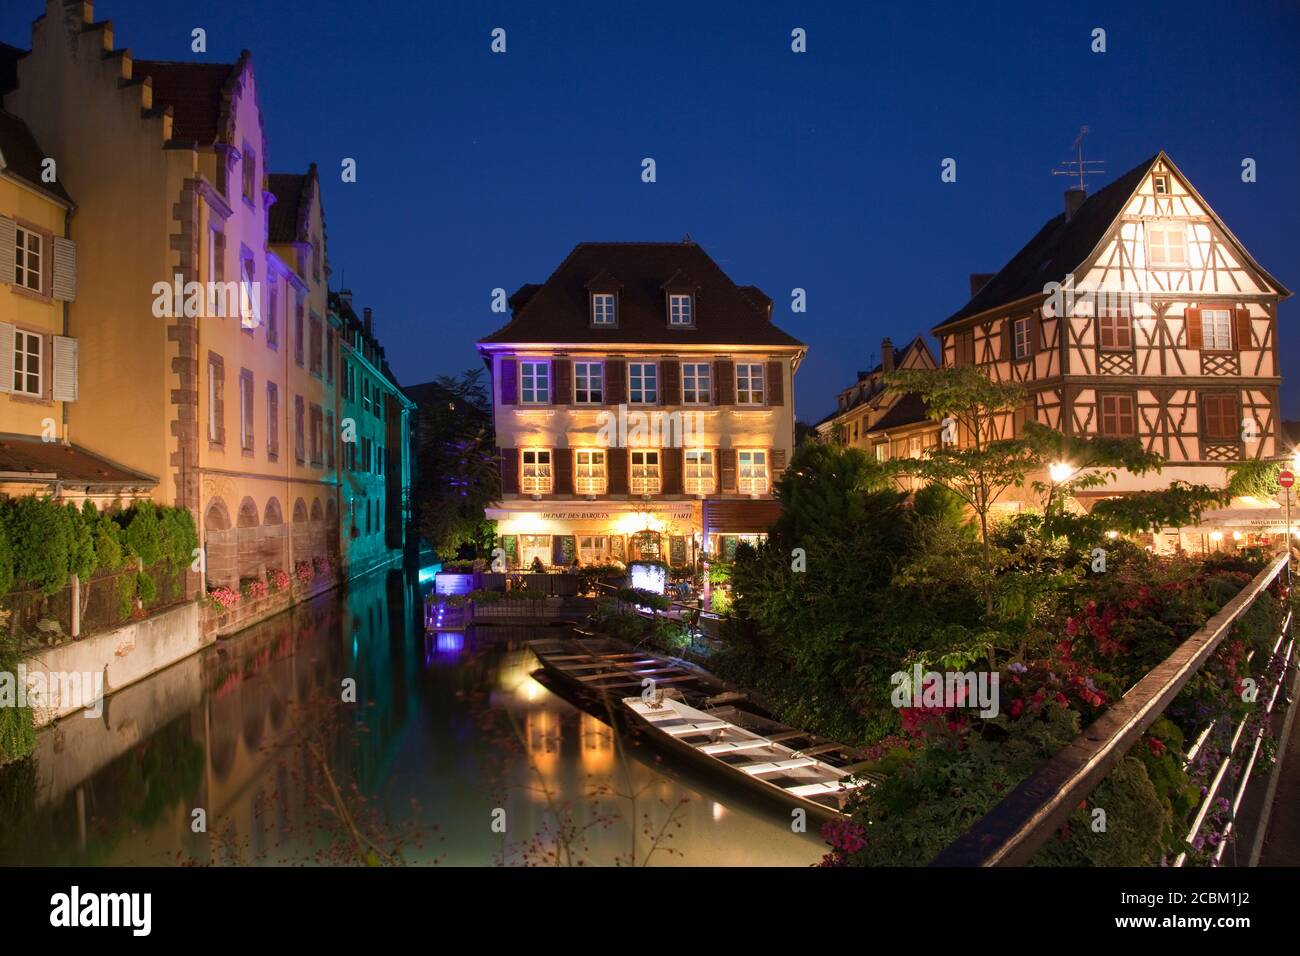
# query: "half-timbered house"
[[1136, 312], [883, 421]]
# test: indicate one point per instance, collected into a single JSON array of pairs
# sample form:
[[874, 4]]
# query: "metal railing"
[[1016, 828]]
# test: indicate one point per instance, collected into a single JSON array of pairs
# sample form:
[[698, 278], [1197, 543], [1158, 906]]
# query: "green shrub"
[[17, 730], [147, 589], [180, 538], [81, 542], [6, 561], [110, 550], [144, 532], [45, 532]]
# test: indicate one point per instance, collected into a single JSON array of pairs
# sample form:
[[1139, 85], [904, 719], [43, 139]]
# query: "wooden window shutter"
[[509, 382], [671, 461], [1035, 330], [562, 387], [1009, 340], [1242, 318], [65, 368], [562, 462], [727, 457], [724, 382], [616, 384], [776, 460], [8, 272], [64, 284], [670, 388], [774, 387], [510, 471], [616, 470], [6, 355], [1195, 339], [219, 240]]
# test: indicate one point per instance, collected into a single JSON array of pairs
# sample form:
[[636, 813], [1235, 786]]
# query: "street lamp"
[[1060, 471]]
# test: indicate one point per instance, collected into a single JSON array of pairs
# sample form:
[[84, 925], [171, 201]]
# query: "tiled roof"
[[23, 454], [910, 409], [1057, 249], [285, 214], [23, 157], [559, 311], [193, 91]]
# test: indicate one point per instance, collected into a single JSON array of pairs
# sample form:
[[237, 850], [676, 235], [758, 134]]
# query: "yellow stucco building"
[[201, 315]]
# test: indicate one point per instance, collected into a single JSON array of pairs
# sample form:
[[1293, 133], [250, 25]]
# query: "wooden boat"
[[717, 738]]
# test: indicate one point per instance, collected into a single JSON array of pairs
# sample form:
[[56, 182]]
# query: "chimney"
[[886, 355], [979, 280], [345, 296], [1074, 198], [369, 322]]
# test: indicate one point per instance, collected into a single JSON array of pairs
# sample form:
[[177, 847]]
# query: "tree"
[[971, 463], [457, 475]]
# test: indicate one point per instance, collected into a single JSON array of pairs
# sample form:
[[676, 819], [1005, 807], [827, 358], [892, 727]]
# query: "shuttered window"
[[1115, 329], [1216, 329], [29, 256], [537, 476], [246, 409], [642, 383], [272, 421], [751, 475], [66, 360], [645, 472], [1117, 416], [28, 370], [700, 473], [588, 383], [1220, 415], [589, 472], [536, 382], [749, 383], [697, 383]]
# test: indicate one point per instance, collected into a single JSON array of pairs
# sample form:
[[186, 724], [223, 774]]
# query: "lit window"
[[28, 251], [749, 383], [643, 383], [699, 472], [1166, 245], [1115, 329], [1022, 331], [592, 549], [588, 380], [914, 446], [1216, 329], [679, 310], [537, 472], [28, 368], [602, 309], [882, 451], [751, 472], [589, 472], [536, 382], [645, 472], [697, 383]]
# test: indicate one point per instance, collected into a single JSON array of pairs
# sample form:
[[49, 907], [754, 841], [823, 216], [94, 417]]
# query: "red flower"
[[1017, 707], [1156, 745]]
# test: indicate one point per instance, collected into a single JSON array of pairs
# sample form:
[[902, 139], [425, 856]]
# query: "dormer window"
[[1161, 185], [681, 310], [602, 309]]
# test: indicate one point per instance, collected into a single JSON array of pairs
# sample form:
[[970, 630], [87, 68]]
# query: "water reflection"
[[338, 732]]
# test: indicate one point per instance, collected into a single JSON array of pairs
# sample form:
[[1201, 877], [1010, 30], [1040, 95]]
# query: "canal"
[[338, 732]]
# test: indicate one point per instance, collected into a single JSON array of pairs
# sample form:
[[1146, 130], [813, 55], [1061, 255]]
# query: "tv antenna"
[[1080, 167]]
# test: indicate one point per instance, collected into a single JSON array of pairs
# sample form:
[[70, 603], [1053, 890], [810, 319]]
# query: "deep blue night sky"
[[818, 170]]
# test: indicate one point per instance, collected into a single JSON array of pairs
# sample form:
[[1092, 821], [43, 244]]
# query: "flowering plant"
[[223, 598], [278, 579], [304, 572], [321, 565], [253, 590]]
